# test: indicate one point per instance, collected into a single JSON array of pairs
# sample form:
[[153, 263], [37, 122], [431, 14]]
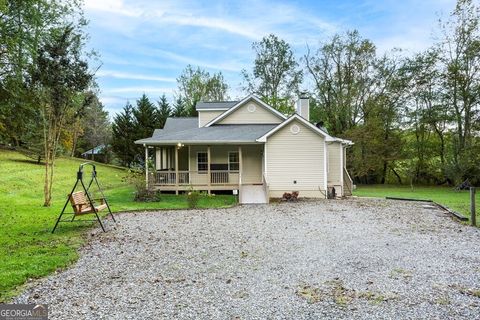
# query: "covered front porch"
[[203, 167]]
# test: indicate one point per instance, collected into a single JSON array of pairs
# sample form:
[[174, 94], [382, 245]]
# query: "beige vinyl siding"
[[334, 151], [183, 159], [205, 117], [252, 164], [299, 157], [243, 116]]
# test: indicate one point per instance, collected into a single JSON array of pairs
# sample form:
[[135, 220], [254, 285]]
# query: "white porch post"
[[146, 166], [240, 166], [157, 158], [208, 171], [189, 173], [176, 169]]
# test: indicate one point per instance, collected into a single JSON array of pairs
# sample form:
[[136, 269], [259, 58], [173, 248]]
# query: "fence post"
[[473, 218]]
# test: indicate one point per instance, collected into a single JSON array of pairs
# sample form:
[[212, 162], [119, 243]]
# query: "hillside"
[[27, 248]]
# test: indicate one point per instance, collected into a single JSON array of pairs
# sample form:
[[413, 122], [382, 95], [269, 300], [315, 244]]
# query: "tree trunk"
[[74, 143], [384, 172], [47, 189], [397, 175]]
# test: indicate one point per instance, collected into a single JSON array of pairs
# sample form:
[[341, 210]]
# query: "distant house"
[[97, 153], [249, 147]]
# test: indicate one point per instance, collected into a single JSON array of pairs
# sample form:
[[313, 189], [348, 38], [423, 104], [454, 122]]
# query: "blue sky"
[[144, 45]]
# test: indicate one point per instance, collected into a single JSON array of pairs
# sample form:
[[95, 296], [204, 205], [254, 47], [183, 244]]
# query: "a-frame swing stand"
[[82, 202]]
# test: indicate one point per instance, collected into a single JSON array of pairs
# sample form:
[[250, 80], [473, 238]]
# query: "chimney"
[[303, 106]]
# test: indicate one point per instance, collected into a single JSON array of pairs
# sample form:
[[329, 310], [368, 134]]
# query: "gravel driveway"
[[358, 258]]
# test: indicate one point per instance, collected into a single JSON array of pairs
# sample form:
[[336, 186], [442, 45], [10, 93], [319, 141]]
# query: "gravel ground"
[[355, 259]]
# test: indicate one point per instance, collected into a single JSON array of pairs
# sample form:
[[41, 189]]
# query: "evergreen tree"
[[145, 118], [124, 136], [144, 121], [97, 125], [164, 111], [180, 109]]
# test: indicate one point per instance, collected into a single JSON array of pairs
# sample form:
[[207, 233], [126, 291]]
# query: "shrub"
[[142, 193], [193, 197]]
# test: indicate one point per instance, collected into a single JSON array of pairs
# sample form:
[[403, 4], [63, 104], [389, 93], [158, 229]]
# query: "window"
[[202, 161], [233, 161]]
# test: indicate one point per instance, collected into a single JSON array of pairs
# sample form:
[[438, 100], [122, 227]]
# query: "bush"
[[142, 193], [193, 197]]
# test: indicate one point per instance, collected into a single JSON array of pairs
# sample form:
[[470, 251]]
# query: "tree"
[[196, 85], [24, 26], [179, 108], [342, 73], [97, 130], [123, 136], [144, 120], [427, 118], [459, 56], [164, 111], [60, 73], [276, 76]]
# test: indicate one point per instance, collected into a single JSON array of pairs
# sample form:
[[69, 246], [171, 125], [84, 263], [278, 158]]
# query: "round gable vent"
[[294, 129], [251, 108]]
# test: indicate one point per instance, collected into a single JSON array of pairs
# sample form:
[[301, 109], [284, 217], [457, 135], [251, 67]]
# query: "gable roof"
[[214, 106], [241, 103], [308, 125]]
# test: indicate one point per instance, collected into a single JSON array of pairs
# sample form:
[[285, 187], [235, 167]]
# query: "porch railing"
[[347, 183], [217, 177]]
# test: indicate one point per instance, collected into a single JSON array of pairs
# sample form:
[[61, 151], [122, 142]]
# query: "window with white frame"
[[202, 161], [233, 161]]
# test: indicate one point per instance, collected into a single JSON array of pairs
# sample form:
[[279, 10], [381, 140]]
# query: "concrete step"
[[250, 194]]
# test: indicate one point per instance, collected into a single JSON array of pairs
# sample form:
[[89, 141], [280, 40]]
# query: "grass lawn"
[[27, 247], [458, 201]]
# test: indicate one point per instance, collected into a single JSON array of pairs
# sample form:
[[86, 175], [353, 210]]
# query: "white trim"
[[325, 178], [238, 156], [189, 158], [202, 171], [294, 117], [146, 166], [265, 160], [213, 109], [241, 103], [327, 137], [295, 129], [341, 169]]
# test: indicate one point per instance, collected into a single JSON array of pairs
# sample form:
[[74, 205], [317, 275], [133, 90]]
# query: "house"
[[97, 153], [248, 147]]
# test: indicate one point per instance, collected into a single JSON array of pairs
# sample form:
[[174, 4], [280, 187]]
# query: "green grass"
[[458, 201], [27, 247]]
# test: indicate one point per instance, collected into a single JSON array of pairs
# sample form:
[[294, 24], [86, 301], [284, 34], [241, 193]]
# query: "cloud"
[[112, 100], [112, 7], [132, 76], [140, 90], [211, 22]]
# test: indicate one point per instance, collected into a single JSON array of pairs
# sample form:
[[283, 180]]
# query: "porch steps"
[[251, 194]]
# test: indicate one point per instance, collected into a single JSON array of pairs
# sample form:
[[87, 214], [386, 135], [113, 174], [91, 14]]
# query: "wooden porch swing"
[[82, 202]]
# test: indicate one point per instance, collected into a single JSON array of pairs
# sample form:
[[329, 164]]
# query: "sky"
[[144, 45]]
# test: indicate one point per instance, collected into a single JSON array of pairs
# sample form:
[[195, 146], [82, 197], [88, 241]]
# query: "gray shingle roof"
[[176, 125], [215, 105], [185, 130]]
